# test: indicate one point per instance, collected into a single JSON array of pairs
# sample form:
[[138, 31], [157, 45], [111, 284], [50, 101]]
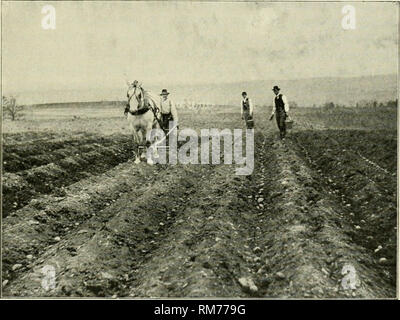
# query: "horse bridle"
[[141, 109], [133, 94]]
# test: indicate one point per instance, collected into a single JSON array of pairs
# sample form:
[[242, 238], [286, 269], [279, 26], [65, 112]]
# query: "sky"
[[103, 44]]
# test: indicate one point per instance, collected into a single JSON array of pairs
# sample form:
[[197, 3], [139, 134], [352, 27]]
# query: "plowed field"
[[75, 202]]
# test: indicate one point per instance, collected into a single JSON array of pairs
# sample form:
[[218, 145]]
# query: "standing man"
[[281, 109], [168, 110], [247, 110]]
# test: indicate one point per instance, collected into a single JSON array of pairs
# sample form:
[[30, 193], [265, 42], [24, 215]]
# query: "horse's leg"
[[147, 132], [139, 139], [151, 123], [136, 140], [135, 137], [155, 125], [143, 143], [155, 150]]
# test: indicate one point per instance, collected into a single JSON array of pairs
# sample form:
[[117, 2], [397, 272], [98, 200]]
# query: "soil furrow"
[[47, 146], [366, 196], [308, 257], [105, 257], [13, 162], [30, 230], [314, 220], [19, 189], [205, 253]]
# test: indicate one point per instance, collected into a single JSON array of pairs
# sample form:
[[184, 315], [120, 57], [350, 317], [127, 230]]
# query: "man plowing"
[[168, 111]]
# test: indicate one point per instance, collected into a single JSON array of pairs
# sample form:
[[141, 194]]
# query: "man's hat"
[[276, 88], [163, 92], [244, 93]]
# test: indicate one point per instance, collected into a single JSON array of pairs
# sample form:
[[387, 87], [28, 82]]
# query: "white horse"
[[142, 116]]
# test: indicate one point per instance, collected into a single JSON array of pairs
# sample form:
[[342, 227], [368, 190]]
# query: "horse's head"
[[135, 96]]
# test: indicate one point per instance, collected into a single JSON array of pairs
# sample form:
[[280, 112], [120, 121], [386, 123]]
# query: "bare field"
[[74, 200]]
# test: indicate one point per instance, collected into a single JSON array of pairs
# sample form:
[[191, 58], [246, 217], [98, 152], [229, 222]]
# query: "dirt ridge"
[[31, 229], [105, 255]]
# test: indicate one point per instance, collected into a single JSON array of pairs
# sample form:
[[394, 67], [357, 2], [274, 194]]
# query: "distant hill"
[[305, 92]]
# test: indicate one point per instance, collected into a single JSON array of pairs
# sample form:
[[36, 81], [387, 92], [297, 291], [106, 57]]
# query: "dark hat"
[[276, 88], [164, 91], [244, 92]]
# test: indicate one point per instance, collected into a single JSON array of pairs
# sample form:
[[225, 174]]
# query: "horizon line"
[[207, 83]]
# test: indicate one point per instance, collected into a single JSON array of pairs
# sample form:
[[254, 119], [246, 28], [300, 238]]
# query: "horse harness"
[[141, 110], [144, 109]]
